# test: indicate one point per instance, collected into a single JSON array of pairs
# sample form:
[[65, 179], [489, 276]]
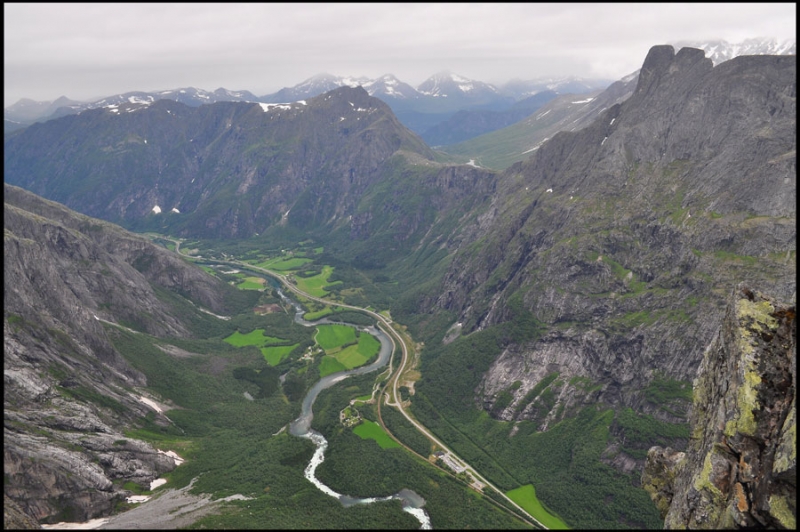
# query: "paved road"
[[396, 338]]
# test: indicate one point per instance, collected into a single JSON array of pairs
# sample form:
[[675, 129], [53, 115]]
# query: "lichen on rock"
[[740, 469]]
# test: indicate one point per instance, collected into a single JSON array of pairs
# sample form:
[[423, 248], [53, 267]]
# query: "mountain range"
[[581, 283]]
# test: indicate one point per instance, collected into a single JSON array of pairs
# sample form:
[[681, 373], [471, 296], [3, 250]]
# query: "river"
[[301, 427]]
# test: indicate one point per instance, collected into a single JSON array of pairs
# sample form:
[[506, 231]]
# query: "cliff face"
[[620, 236], [68, 394], [740, 470]]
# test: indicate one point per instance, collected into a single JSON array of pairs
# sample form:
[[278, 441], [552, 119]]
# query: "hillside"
[[68, 393], [227, 169], [623, 237]]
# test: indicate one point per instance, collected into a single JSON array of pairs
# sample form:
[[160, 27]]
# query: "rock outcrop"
[[740, 470], [620, 237], [68, 394]]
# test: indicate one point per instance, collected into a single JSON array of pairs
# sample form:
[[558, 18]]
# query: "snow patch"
[[157, 209], [584, 101], [157, 482], [269, 106], [175, 210], [174, 456], [136, 499], [152, 404]]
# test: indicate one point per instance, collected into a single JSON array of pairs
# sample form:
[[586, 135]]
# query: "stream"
[[301, 427]]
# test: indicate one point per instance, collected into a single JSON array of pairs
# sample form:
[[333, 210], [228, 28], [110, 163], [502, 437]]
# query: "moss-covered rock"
[[740, 470]]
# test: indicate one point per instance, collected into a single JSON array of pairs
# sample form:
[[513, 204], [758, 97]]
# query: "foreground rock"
[[740, 470]]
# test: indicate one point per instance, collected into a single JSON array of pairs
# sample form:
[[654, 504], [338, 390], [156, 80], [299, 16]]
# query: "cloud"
[[86, 50]]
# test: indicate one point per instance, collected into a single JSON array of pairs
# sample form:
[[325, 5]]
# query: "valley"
[[388, 394], [505, 345]]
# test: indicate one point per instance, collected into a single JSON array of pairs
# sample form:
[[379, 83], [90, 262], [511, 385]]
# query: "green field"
[[255, 337], [331, 337], [283, 263], [274, 355], [316, 285], [525, 496], [356, 355], [328, 365], [252, 283], [312, 316], [369, 430]]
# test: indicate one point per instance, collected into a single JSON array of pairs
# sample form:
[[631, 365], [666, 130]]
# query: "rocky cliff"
[[740, 470], [621, 237], [68, 394]]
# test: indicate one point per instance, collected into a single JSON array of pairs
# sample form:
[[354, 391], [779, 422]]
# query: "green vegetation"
[[282, 264], [316, 285], [255, 337], [370, 430], [525, 496], [346, 354], [333, 337], [662, 390], [563, 463], [274, 355], [252, 283]]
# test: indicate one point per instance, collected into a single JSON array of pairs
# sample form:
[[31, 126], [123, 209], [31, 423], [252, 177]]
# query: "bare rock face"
[[67, 393], [740, 470], [15, 519], [624, 237]]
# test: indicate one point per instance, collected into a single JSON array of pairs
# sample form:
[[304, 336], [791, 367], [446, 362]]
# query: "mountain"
[[389, 88], [567, 112], [740, 470], [520, 89], [720, 51], [25, 113], [68, 393], [564, 303], [582, 298], [27, 110], [467, 124], [313, 86], [454, 87], [334, 163], [503, 147], [619, 236]]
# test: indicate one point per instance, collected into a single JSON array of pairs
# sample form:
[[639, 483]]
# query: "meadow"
[[525, 496], [369, 430]]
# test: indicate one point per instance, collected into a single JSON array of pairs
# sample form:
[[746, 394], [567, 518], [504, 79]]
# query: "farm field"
[[273, 355], [525, 496], [316, 285], [332, 338], [255, 337], [283, 263], [369, 430], [252, 283]]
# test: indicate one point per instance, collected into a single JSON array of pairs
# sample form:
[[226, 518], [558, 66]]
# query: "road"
[[396, 337]]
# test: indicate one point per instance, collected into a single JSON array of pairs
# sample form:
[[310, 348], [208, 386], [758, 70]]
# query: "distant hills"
[[434, 101], [429, 109]]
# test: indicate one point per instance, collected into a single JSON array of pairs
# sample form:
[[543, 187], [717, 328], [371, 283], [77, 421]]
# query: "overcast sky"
[[87, 51]]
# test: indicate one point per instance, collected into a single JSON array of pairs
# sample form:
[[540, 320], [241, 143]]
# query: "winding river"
[[301, 427]]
